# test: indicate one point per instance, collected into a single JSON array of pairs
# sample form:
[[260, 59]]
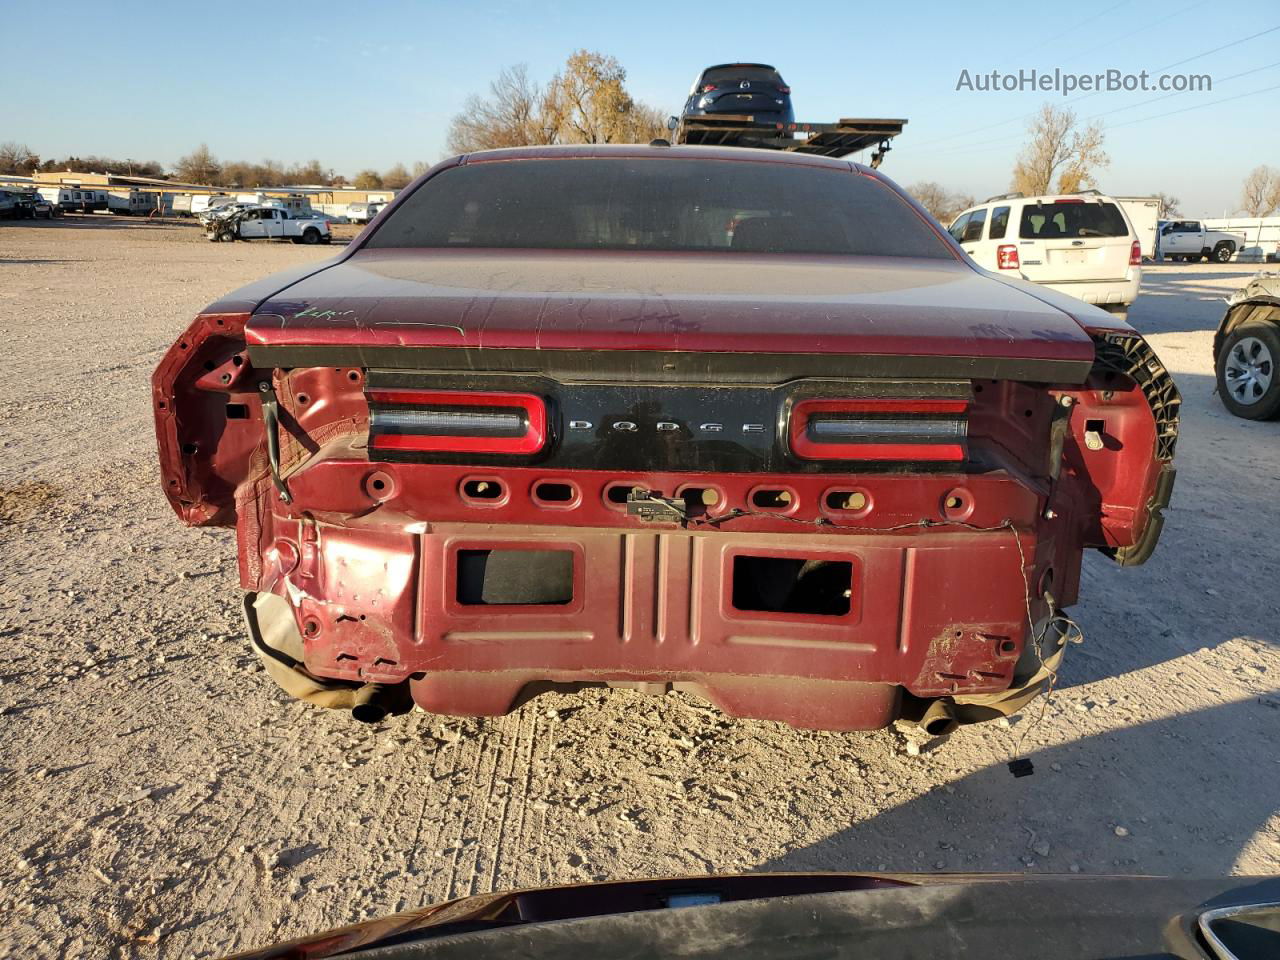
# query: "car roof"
[[729, 66], [639, 150], [1051, 197], [1043, 198]]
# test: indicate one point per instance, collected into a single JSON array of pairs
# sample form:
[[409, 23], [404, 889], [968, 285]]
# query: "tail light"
[[879, 429], [1135, 254], [784, 89], [708, 87], [1007, 257], [455, 421]]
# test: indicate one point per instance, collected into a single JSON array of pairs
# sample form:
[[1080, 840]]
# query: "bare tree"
[[939, 201], [199, 166], [586, 102], [97, 164], [592, 104], [17, 158], [1057, 148], [513, 115], [396, 178], [368, 180], [311, 172], [1169, 206], [1261, 191]]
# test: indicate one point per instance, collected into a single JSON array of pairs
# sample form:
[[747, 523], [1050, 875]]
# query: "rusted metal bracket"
[[271, 423], [1058, 427], [653, 508]]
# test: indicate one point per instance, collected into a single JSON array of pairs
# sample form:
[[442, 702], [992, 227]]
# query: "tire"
[[310, 236], [1223, 252], [1248, 378], [227, 236]]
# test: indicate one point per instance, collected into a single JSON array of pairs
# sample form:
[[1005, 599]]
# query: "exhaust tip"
[[372, 712], [369, 704]]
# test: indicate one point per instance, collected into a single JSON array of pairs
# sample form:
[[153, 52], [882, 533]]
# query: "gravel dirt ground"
[[162, 799]]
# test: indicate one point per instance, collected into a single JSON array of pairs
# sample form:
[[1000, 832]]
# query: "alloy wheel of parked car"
[[1222, 252], [311, 236], [1247, 377]]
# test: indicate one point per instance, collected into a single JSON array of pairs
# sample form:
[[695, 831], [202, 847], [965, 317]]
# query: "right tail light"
[[906, 429]]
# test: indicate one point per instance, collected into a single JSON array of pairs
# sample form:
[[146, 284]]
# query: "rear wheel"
[[1224, 251], [311, 235], [1248, 381]]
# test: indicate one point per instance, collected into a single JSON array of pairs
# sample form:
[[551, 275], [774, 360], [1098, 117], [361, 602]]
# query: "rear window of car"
[[1049, 221], [669, 204], [754, 74], [999, 223], [973, 229]]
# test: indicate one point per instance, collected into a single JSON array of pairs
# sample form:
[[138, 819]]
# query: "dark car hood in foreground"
[[759, 916], [658, 302]]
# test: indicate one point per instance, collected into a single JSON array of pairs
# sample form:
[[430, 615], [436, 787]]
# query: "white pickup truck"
[[269, 223], [1189, 240]]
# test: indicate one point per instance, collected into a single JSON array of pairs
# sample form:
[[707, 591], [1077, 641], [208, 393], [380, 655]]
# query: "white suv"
[[1082, 245]]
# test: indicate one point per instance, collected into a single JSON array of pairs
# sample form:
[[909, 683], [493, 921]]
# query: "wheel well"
[[1246, 312]]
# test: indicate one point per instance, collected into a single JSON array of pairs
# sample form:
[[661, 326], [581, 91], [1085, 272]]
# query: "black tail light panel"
[[515, 419]]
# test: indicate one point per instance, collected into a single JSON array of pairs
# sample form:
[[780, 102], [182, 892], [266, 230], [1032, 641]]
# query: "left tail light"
[[1135, 254], [907, 429], [455, 421], [1007, 257]]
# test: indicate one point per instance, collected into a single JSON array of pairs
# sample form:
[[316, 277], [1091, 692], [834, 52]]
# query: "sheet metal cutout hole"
[[380, 486], [556, 494], [854, 502], [957, 504], [483, 491]]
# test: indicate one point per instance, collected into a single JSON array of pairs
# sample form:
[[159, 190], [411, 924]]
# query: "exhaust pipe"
[[940, 719], [368, 704]]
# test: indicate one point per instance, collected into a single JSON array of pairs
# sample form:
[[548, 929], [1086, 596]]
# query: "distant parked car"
[[755, 89], [363, 212], [1082, 245], [21, 205], [267, 223], [1246, 349], [328, 217], [1189, 240], [24, 205]]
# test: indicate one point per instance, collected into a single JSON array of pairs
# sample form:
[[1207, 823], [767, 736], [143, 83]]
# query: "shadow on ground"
[[1184, 792]]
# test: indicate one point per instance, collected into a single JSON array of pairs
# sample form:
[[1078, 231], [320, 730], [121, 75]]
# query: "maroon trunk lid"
[[558, 301]]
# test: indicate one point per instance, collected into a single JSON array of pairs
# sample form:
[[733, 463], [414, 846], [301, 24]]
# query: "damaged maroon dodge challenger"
[[735, 422]]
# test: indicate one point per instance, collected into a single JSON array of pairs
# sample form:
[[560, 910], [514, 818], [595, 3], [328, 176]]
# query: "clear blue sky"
[[366, 85]]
